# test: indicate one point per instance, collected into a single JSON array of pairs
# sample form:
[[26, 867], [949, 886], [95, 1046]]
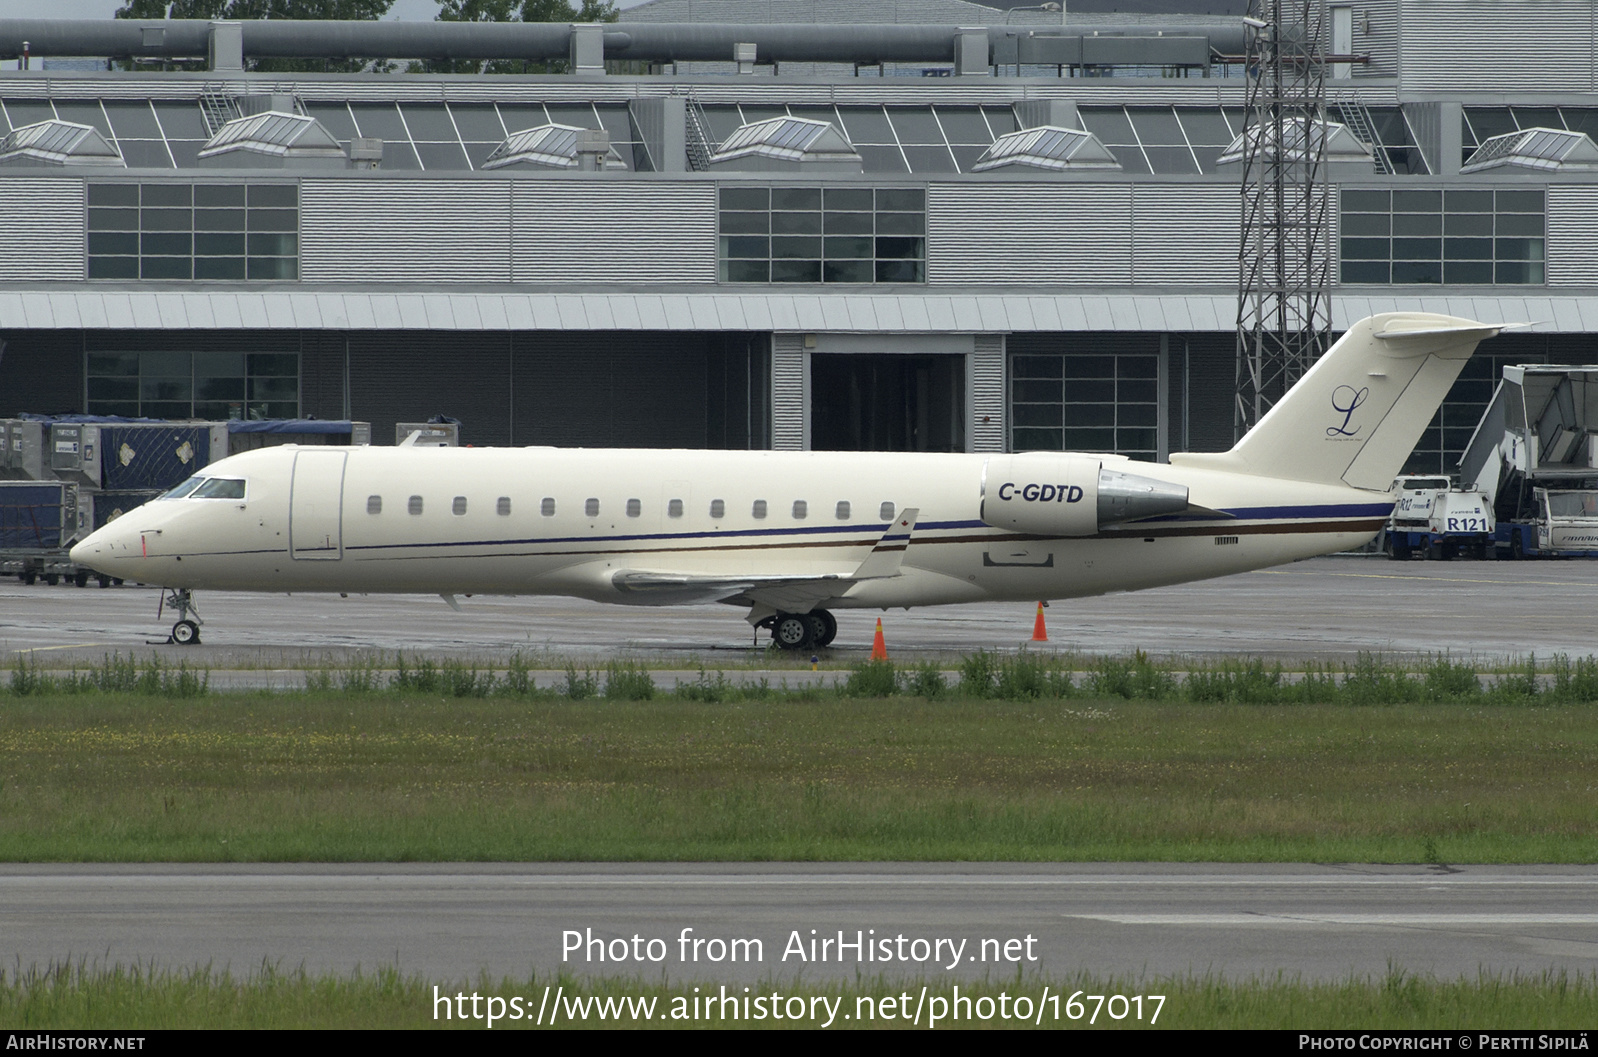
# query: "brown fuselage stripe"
[[1278, 529]]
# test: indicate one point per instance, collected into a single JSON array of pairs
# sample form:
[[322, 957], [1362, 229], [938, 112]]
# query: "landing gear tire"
[[792, 631], [186, 632], [823, 627]]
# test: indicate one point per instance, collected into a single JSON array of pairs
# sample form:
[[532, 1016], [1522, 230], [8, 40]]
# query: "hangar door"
[[316, 505]]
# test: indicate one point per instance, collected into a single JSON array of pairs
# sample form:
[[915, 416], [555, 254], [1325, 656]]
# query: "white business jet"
[[791, 536]]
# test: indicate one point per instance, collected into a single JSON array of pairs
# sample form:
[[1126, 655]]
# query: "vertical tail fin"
[[1356, 414]]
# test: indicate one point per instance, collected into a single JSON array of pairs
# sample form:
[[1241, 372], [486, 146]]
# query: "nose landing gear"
[[186, 632]]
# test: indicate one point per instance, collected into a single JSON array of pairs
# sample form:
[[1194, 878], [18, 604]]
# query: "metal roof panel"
[[546, 315], [464, 308], [91, 310], [678, 315], [651, 312], [410, 314], [440, 312], [967, 317], [784, 313], [518, 311], [703, 312], [940, 313], [913, 311], [64, 307]]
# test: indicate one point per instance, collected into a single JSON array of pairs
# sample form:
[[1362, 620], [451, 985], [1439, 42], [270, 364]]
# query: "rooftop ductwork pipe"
[[864, 44]]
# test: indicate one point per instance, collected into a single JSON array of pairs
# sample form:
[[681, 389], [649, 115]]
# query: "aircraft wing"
[[767, 594]]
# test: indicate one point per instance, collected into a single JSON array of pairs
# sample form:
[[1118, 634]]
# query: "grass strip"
[[130, 999], [410, 776]]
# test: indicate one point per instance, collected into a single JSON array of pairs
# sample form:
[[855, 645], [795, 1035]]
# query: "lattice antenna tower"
[[1283, 314]]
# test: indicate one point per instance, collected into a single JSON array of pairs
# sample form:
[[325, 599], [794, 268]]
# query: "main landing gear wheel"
[[792, 631], [803, 631], [186, 632], [823, 627]]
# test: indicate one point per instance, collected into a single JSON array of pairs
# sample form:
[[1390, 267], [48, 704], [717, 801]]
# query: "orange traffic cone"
[[1039, 632], [879, 649]]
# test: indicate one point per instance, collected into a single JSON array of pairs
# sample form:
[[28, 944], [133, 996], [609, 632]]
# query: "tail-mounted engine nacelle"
[[1070, 495]]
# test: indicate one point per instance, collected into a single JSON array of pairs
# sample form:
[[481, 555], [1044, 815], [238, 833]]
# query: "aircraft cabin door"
[[316, 505]]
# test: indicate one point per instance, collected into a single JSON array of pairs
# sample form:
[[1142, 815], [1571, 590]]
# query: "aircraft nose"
[[107, 550]]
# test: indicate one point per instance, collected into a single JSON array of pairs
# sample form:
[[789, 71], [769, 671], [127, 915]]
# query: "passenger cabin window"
[[801, 509], [415, 504], [634, 508], [674, 508], [459, 506], [843, 510], [759, 510], [547, 507], [220, 488], [503, 506], [374, 504], [886, 513], [718, 509], [591, 508]]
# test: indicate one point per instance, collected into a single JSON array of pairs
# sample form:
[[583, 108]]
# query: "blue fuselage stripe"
[[1239, 516]]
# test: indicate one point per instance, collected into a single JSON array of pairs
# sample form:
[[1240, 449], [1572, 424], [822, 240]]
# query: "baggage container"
[[250, 435], [140, 457], [110, 505], [37, 515]]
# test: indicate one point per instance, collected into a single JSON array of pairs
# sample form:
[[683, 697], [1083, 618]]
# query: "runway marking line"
[[1430, 579], [68, 646], [1381, 920]]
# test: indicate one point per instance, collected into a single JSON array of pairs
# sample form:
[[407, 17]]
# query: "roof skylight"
[[1047, 147]]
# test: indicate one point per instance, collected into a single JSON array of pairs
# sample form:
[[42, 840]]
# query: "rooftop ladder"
[[699, 142], [219, 106], [1357, 116]]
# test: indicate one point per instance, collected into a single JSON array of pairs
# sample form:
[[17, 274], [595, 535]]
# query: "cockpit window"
[[220, 488], [185, 488]]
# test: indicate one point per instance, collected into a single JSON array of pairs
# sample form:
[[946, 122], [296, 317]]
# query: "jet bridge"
[[1535, 456]]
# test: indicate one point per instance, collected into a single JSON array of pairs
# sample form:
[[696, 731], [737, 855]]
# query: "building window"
[[194, 231], [1475, 238], [823, 235], [1098, 403], [209, 385]]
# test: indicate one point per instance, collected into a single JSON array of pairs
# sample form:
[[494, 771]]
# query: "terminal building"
[[944, 228]]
